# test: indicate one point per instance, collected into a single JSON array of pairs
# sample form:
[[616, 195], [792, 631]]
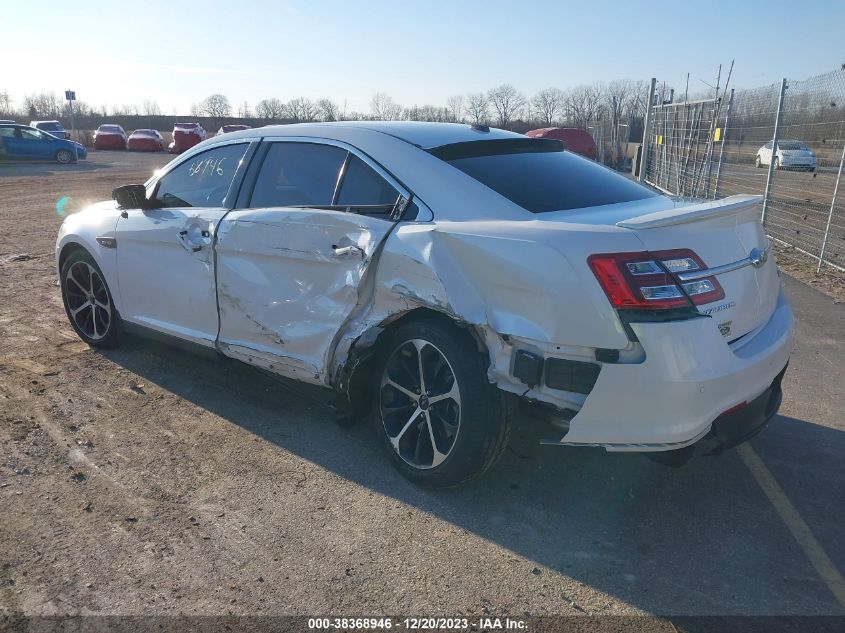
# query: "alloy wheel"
[[420, 404], [88, 300], [64, 156]]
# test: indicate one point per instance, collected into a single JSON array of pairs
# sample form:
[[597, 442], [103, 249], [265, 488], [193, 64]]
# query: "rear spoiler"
[[692, 213]]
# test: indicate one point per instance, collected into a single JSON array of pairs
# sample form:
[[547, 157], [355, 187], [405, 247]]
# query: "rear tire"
[[65, 157], [451, 426], [88, 301]]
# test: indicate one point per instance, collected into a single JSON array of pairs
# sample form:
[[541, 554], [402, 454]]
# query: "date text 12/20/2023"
[[416, 624]]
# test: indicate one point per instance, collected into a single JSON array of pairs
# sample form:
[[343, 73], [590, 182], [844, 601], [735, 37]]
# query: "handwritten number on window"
[[208, 166]]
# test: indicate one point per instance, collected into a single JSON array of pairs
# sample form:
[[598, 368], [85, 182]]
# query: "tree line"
[[503, 106]]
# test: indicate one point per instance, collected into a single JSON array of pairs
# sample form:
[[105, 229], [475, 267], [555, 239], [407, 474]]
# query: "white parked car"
[[53, 128], [441, 274], [789, 155]]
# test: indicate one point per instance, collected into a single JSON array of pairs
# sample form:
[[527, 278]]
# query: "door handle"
[[340, 251], [191, 247]]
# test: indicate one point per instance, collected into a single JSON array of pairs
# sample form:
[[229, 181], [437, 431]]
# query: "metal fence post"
[[830, 215], [771, 172], [647, 129], [722, 148]]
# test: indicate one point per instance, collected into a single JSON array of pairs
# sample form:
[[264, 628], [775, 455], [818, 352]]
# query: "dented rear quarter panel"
[[520, 283]]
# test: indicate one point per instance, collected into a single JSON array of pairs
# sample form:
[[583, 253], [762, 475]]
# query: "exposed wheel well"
[[362, 361], [67, 249]]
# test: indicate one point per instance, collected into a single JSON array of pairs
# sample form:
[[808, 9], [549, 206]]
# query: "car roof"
[[418, 133]]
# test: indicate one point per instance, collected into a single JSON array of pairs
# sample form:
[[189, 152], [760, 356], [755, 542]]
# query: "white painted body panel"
[[163, 283], [283, 292], [516, 279]]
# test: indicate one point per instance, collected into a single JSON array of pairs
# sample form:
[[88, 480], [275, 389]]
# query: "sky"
[[178, 53]]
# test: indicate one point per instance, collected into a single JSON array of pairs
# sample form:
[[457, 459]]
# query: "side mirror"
[[131, 197]]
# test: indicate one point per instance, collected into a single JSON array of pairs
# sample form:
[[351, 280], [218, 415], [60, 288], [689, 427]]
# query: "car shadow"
[[699, 539], [46, 168]]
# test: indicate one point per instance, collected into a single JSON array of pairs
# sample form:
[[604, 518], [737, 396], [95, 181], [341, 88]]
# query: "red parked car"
[[185, 136], [109, 137], [145, 141], [577, 141], [234, 127]]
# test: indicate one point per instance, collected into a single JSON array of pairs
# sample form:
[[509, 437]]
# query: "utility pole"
[[70, 95]]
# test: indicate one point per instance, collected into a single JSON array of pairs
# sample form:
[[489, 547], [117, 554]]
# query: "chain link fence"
[[785, 141]]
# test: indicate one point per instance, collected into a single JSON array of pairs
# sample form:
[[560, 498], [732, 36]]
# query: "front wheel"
[[88, 301], [64, 156], [777, 163], [443, 423], [758, 163]]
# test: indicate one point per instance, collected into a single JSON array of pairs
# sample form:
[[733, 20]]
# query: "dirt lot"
[[150, 481]]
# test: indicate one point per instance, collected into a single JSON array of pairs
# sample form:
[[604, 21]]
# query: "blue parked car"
[[21, 142]]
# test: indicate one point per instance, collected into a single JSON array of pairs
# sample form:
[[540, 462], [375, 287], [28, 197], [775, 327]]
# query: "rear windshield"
[[52, 125], [110, 128], [539, 176]]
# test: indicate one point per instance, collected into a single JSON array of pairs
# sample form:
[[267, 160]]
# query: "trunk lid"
[[721, 232]]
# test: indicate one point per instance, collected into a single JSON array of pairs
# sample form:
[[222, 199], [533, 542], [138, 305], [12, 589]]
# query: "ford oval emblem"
[[758, 257]]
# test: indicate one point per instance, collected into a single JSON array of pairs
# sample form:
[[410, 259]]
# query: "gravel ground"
[[148, 480]]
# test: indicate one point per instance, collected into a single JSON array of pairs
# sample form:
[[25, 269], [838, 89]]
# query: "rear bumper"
[[734, 428], [109, 142], [689, 378]]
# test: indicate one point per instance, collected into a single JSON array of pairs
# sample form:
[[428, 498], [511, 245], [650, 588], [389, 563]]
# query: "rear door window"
[[365, 190], [541, 179], [298, 175], [203, 180]]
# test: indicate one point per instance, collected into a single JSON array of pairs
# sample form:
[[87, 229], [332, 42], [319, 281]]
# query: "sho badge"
[[725, 328]]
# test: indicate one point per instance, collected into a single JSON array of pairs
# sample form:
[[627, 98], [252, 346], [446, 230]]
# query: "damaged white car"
[[440, 274]]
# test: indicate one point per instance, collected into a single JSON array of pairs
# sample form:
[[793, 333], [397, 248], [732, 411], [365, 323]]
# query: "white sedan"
[[789, 155], [439, 275]]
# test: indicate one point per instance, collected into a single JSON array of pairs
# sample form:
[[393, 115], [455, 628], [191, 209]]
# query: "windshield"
[[110, 128], [791, 145], [539, 176]]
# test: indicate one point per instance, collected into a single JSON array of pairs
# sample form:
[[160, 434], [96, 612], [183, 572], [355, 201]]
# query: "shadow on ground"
[[658, 538], [47, 168]]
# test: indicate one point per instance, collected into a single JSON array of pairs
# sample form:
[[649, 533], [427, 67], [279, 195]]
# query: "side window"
[[203, 180], [769, 145], [363, 187], [8, 132], [298, 175], [32, 135]]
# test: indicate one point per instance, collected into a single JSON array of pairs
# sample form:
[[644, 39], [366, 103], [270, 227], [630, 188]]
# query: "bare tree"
[[428, 113], [328, 109], [5, 104], [125, 109], [243, 111], [150, 108], [456, 108], [582, 104], [548, 104], [477, 108], [384, 108], [636, 99], [301, 110], [270, 109], [43, 104], [216, 106], [506, 101]]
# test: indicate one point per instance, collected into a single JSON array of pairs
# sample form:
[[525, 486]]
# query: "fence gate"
[[683, 158]]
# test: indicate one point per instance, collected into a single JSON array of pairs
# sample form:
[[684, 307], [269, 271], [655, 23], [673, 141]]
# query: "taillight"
[[641, 281]]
